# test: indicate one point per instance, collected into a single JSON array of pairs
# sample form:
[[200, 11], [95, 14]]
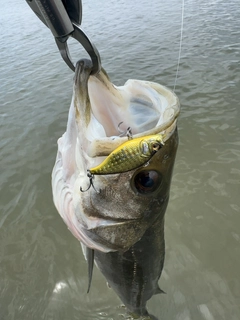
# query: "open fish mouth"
[[117, 217], [146, 107]]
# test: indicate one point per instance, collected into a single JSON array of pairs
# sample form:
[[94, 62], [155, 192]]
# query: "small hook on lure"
[[127, 133], [91, 177]]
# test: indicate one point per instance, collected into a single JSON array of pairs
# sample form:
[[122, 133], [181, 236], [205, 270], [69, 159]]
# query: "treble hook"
[[91, 177], [127, 133]]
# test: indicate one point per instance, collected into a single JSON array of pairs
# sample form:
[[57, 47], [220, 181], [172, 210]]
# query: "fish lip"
[[104, 146], [82, 70]]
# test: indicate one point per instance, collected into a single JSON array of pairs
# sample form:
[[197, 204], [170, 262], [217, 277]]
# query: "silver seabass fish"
[[123, 224]]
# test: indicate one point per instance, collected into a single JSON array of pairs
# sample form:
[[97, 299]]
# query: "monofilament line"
[[180, 46]]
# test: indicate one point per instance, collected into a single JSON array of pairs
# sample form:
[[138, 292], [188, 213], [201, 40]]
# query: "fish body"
[[129, 155], [134, 274], [122, 227]]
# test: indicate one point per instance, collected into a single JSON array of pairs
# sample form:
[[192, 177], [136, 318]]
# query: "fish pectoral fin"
[[158, 291], [90, 261]]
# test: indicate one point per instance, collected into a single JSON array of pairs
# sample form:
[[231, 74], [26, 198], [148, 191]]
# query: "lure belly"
[[129, 155]]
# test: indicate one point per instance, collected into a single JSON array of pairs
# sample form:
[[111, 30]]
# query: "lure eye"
[[156, 146], [147, 181]]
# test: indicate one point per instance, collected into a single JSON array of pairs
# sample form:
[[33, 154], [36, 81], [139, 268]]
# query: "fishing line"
[[180, 46]]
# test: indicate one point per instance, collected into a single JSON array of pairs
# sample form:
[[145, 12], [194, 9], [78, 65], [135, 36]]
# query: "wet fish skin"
[[133, 208], [124, 223], [134, 274], [115, 218]]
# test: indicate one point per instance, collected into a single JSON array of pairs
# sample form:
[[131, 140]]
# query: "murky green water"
[[43, 274]]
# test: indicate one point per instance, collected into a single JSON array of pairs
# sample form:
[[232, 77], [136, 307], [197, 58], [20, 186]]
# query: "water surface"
[[43, 274]]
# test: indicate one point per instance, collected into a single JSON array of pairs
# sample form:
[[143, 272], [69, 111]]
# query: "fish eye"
[[147, 181]]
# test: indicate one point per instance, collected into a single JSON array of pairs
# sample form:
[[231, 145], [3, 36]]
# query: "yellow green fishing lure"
[[129, 155]]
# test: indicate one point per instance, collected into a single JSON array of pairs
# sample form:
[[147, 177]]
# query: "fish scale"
[[129, 155]]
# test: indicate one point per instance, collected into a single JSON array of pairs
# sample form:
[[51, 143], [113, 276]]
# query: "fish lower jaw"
[[103, 146]]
